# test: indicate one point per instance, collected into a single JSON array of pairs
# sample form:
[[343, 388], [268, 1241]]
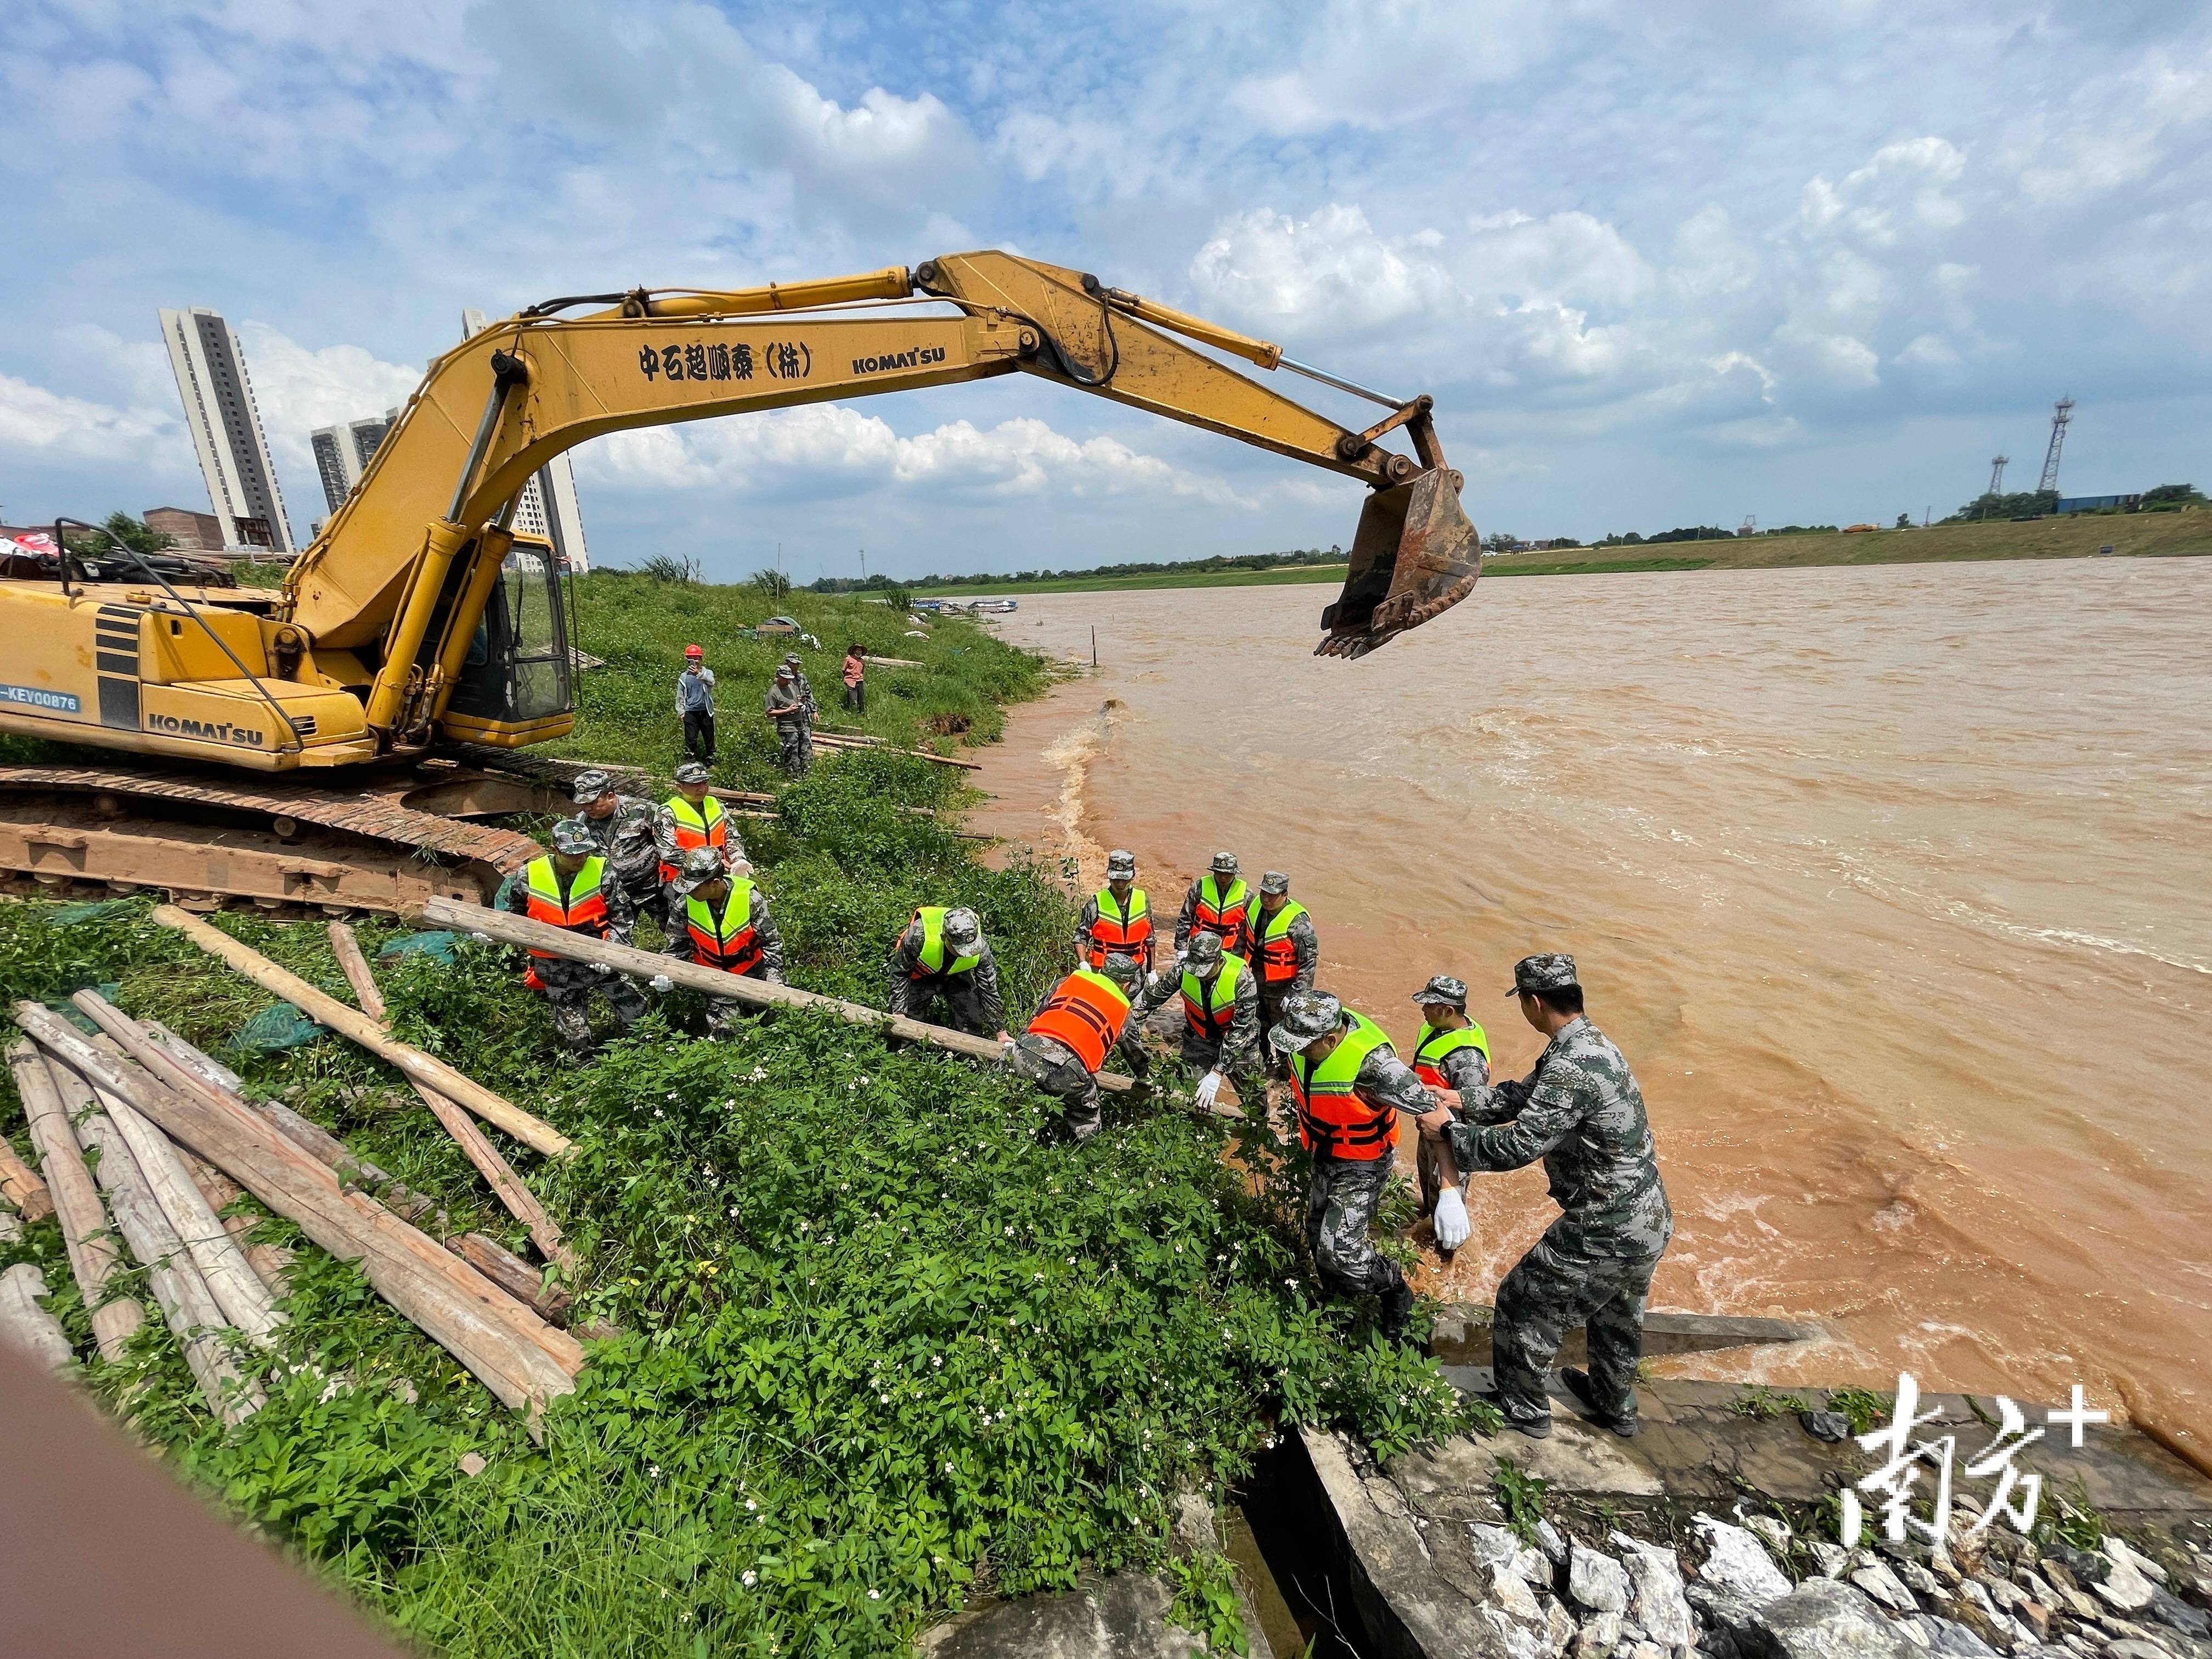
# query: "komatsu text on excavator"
[[419, 624]]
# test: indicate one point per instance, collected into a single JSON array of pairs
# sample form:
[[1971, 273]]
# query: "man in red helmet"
[[695, 701]]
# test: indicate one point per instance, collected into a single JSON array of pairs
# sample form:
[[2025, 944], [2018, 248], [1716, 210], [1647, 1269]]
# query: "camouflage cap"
[[1203, 951], [1553, 970], [1120, 863], [1224, 863], [963, 927], [574, 837], [692, 772], [1125, 972], [1307, 1017], [791, 657], [1444, 989], [589, 787], [1275, 882], [783, 671], [701, 866]]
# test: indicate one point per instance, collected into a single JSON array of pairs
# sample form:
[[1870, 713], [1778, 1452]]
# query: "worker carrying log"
[[1350, 1087], [1217, 902], [724, 922], [1081, 1020], [636, 838], [696, 818], [571, 890], [1220, 1017], [1284, 949], [1581, 1112], [1452, 1055], [1116, 919], [942, 953]]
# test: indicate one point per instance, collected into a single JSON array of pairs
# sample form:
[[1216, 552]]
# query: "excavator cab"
[[516, 684], [1414, 556]]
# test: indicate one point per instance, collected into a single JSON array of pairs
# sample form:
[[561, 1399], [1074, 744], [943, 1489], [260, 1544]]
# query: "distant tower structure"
[[226, 428], [2061, 413], [1748, 527], [1997, 464]]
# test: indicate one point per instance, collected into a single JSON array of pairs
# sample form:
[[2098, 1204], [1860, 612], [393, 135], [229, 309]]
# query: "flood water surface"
[[1891, 885]]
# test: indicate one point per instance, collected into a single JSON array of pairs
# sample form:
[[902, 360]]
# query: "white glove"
[[1208, 1086], [661, 982], [1452, 1225]]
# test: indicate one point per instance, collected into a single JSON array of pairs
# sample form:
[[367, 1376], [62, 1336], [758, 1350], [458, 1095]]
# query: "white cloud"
[[1928, 351], [33, 419], [297, 388], [828, 447], [1330, 266]]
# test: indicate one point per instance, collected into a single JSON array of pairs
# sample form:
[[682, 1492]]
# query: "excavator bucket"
[[1415, 556]]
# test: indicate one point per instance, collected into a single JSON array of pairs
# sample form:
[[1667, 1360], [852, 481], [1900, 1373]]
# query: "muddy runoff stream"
[[1893, 885]]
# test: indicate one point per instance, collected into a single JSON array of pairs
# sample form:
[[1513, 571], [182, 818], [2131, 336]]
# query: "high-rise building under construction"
[[226, 426]]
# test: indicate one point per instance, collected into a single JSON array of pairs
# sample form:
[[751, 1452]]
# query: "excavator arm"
[[402, 573]]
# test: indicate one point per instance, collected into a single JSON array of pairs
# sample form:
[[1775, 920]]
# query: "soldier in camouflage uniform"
[[1284, 954], [805, 686], [1349, 1125], [1212, 1053], [1581, 1112], [636, 837], [568, 985], [791, 707], [1058, 1071], [712, 938], [923, 966]]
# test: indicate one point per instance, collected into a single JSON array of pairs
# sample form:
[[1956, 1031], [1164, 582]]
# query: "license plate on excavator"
[[1414, 557]]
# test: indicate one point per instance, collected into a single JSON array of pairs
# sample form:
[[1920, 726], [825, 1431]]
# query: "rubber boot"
[[1397, 1310]]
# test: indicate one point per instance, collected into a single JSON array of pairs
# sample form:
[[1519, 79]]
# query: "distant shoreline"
[[2135, 535]]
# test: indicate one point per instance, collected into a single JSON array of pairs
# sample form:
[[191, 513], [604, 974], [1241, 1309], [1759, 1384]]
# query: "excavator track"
[[211, 838]]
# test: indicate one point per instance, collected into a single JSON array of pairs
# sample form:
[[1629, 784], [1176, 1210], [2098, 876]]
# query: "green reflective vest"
[[1332, 1120], [1429, 1053], [1210, 1010], [931, 964]]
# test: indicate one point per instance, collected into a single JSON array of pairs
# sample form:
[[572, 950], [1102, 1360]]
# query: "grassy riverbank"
[[883, 1351], [2138, 535]]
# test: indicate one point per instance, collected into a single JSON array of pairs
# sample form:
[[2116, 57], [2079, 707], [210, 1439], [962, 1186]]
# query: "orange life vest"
[[1332, 1120], [581, 909], [1210, 1009], [729, 941], [1119, 932], [1224, 913], [1278, 951], [1086, 1012], [703, 826]]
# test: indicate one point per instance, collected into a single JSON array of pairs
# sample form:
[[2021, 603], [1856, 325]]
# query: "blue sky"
[[1659, 265]]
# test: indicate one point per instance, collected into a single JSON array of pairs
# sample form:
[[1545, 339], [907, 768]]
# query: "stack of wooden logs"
[[177, 1141]]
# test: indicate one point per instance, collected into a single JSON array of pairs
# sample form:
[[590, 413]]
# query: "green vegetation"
[[1760, 1402], [881, 1351], [1520, 1496], [1863, 1409], [1096, 576]]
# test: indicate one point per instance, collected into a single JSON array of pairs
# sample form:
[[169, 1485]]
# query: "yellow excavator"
[[419, 641]]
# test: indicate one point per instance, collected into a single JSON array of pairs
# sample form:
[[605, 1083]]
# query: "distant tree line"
[[2035, 503], [1218, 562], [1701, 532]]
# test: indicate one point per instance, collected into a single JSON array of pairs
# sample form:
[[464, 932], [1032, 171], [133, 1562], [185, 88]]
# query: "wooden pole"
[[521, 1203], [354, 1024], [82, 1218], [21, 1186], [195, 1318], [712, 982], [457, 1309], [27, 1327], [238, 1290]]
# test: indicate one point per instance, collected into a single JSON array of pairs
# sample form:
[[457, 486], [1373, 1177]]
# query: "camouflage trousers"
[[1341, 1209], [795, 742], [1059, 1073], [640, 894], [723, 1013], [1271, 1013], [1558, 1284], [569, 986], [916, 999], [1243, 1074]]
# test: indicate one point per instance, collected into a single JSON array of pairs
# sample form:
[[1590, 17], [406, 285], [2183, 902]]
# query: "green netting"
[[65, 915], [107, 988], [280, 1026], [438, 946]]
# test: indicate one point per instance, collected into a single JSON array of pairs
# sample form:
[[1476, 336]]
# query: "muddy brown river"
[[1895, 886]]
